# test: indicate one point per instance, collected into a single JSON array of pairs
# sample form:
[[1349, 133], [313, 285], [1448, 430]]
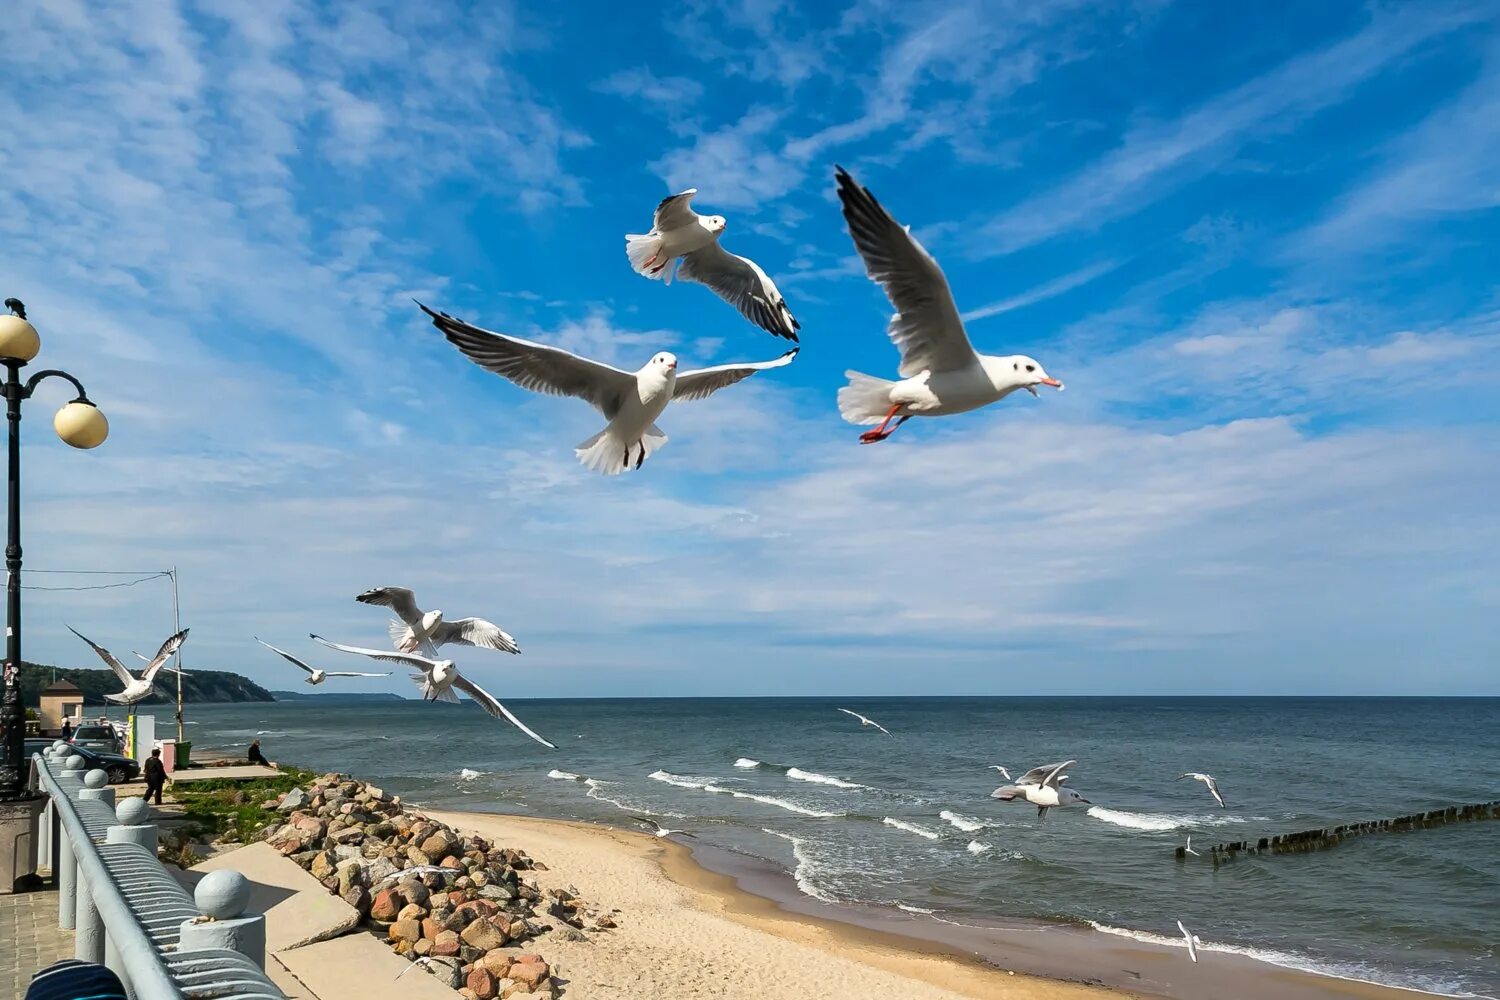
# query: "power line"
[[142, 576]]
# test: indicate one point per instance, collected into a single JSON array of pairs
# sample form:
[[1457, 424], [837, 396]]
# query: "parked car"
[[97, 736], [119, 767]]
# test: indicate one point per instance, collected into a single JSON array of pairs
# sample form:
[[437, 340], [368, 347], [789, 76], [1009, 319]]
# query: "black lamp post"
[[79, 424]]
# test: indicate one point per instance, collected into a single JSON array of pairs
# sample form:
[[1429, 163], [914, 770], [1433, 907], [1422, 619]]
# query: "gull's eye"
[[1016, 366], [1031, 368]]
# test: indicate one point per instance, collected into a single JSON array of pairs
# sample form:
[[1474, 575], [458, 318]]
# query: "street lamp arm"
[[31, 384]]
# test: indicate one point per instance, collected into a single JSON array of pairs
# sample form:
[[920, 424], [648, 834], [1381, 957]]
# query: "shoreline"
[[727, 896]]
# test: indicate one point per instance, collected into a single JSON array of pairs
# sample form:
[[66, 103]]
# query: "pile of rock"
[[426, 888]]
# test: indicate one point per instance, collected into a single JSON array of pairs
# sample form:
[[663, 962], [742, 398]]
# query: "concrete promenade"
[[28, 920]]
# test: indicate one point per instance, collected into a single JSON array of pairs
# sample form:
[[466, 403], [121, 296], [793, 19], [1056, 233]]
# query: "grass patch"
[[219, 805]]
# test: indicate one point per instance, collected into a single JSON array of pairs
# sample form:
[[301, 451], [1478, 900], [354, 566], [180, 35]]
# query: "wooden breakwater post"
[[1305, 841]]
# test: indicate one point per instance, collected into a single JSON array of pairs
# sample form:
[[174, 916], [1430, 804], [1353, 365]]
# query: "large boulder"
[[358, 897], [295, 799], [485, 934], [387, 904], [439, 845], [446, 943], [481, 982], [405, 930]]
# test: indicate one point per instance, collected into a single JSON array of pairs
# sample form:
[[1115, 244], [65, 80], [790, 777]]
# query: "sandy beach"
[[685, 931]]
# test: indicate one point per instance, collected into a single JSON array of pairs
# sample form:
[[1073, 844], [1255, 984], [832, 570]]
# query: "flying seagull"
[[314, 675], [135, 688], [428, 961], [1189, 848], [940, 371], [1192, 941], [1003, 772], [419, 630], [630, 401], [678, 231], [865, 721], [437, 680], [660, 831], [1207, 779], [1042, 787]]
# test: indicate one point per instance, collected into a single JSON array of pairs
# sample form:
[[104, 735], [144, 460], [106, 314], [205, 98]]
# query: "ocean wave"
[[915, 909], [677, 779], [746, 762], [1137, 821], [967, 824], [705, 785], [468, 774], [975, 847], [803, 873], [564, 775], [596, 790], [910, 828], [797, 774], [269, 732]]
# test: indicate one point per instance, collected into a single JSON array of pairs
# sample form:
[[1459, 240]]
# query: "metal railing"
[[127, 909]]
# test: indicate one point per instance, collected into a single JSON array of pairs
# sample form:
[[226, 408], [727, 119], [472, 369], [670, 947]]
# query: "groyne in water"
[[1322, 839]]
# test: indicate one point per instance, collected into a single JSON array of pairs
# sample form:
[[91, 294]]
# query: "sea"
[[906, 822]]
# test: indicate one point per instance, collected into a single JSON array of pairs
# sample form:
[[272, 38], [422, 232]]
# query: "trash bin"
[[184, 748], [168, 750]]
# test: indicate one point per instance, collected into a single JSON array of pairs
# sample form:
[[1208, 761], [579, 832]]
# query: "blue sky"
[[1257, 242]]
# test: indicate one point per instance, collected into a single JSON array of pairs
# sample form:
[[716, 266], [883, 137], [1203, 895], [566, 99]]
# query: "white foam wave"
[[915, 909], [797, 774], [676, 779], [805, 865], [707, 786], [468, 774], [596, 790], [564, 775], [967, 824], [269, 732], [1137, 821], [910, 828], [746, 762], [975, 847]]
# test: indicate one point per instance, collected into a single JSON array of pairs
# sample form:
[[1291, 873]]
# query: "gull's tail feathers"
[[431, 692], [607, 454], [401, 636], [1007, 793], [642, 249], [866, 399]]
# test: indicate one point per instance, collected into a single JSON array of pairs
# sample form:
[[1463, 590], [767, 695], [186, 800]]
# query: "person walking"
[[156, 776], [67, 731]]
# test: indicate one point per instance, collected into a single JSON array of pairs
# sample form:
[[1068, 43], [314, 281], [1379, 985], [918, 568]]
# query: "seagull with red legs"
[[941, 373]]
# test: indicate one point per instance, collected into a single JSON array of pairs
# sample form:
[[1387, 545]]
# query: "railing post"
[[96, 786], [222, 897], [88, 934], [133, 827]]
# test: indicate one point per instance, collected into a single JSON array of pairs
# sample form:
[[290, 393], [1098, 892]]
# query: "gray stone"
[[295, 799]]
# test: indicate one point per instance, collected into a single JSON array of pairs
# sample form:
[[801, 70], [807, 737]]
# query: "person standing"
[[67, 731], [156, 776]]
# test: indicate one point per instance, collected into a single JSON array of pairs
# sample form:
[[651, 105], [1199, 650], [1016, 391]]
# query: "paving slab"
[[357, 967], [30, 939], [299, 911], [242, 772]]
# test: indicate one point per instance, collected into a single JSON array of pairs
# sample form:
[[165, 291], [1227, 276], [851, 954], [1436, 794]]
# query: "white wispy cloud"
[[1046, 290]]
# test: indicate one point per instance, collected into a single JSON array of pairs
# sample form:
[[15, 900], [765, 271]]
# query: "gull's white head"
[[717, 223], [665, 361], [430, 619], [1068, 797], [1028, 374]]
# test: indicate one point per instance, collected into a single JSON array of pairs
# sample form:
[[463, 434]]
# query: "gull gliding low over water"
[[863, 721], [1042, 787], [419, 630], [941, 373], [1003, 772], [630, 401], [314, 675], [660, 831], [1192, 941], [1207, 779], [437, 680], [136, 688], [678, 231]]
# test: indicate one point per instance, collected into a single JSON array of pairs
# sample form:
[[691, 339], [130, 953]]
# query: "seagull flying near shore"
[[630, 401], [863, 721], [314, 675], [940, 371], [679, 232], [1192, 941], [1042, 787], [426, 631], [1189, 848], [437, 680], [136, 688], [660, 831], [427, 961], [1207, 779], [1003, 772]]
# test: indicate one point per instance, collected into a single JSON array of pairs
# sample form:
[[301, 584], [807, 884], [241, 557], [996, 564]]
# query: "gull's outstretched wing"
[[1043, 775], [398, 599], [743, 284], [1003, 772], [674, 211], [172, 645], [703, 382], [352, 673], [422, 663], [492, 705], [865, 721], [119, 668], [475, 632], [536, 366], [1192, 942], [926, 327], [285, 655]]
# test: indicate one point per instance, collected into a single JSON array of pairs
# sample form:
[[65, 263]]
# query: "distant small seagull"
[[1043, 788], [314, 675], [18, 308], [1189, 848], [419, 630], [678, 231], [630, 401], [1207, 779], [425, 960], [437, 680], [660, 831], [940, 371], [1003, 772], [1192, 941], [863, 721], [135, 688]]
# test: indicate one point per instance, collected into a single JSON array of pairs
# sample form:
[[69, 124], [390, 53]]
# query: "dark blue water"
[[915, 826]]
